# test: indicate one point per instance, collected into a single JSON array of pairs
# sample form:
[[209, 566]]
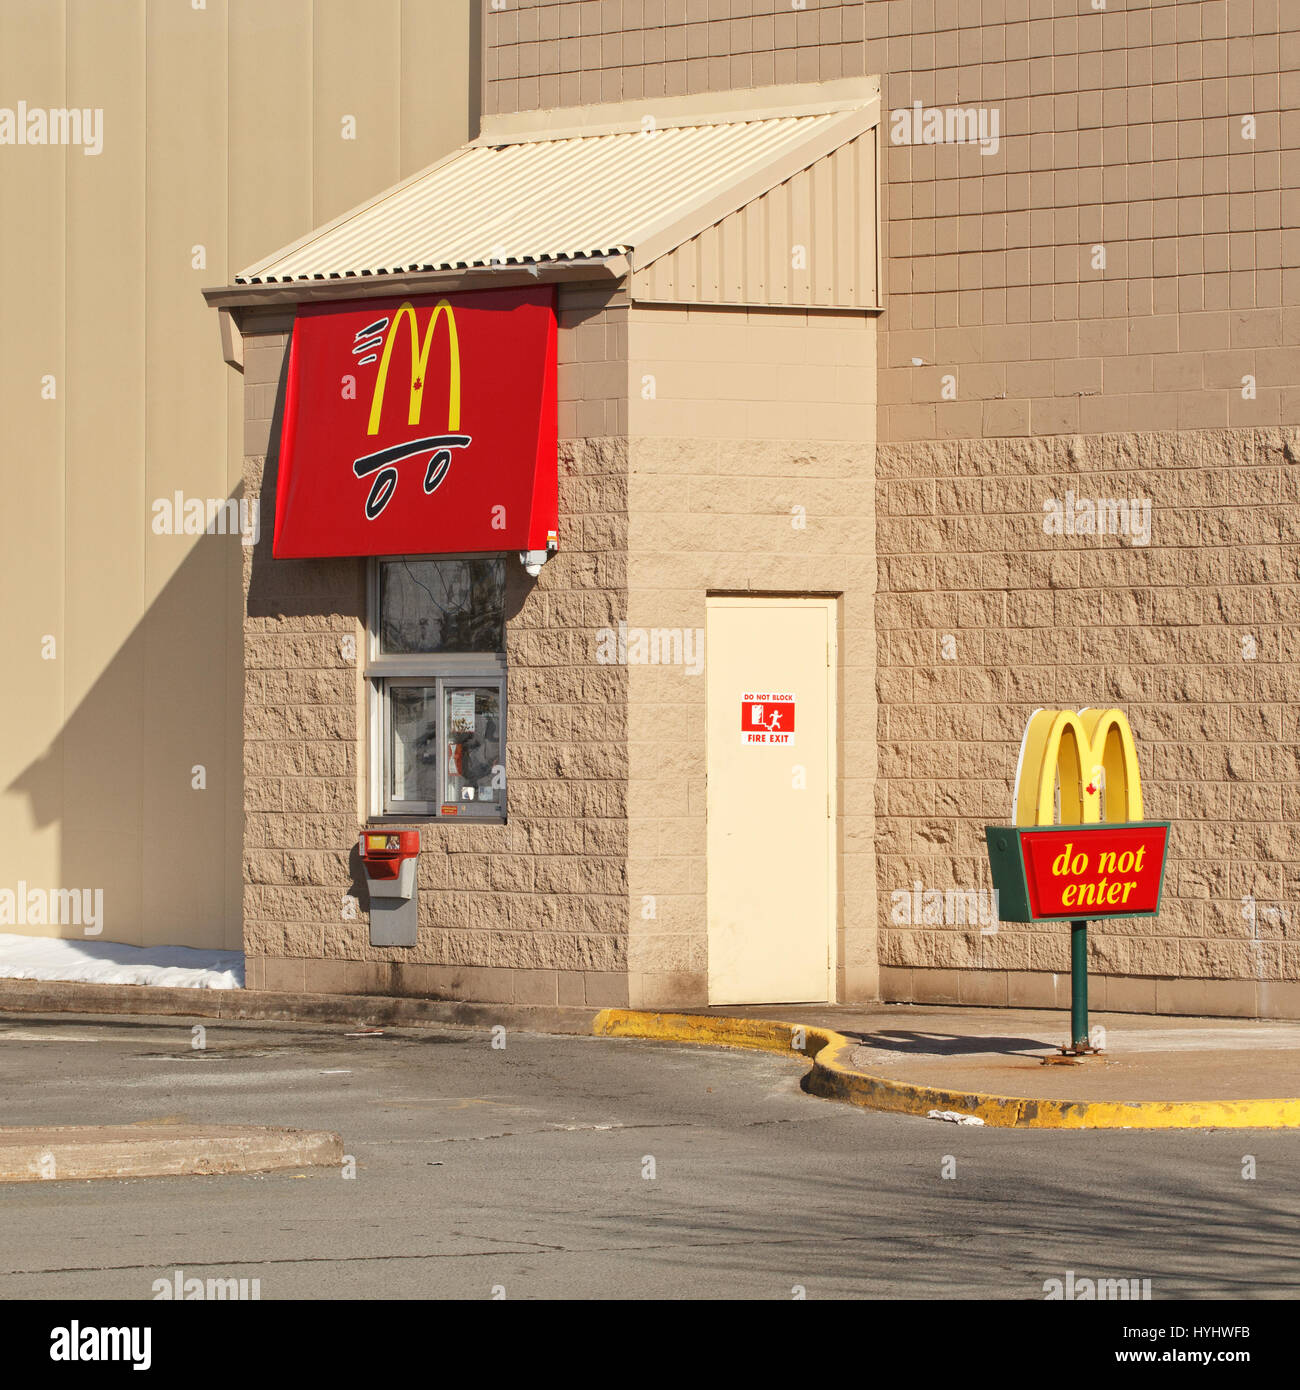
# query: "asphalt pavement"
[[595, 1168]]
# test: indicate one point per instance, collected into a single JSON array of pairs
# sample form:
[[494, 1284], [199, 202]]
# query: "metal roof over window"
[[597, 183]]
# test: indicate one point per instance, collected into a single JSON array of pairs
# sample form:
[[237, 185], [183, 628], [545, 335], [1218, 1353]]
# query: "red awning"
[[420, 426]]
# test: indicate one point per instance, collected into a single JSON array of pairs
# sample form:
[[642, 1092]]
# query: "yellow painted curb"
[[833, 1076]]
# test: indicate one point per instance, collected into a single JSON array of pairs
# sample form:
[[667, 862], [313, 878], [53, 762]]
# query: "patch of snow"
[[954, 1117], [114, 963]]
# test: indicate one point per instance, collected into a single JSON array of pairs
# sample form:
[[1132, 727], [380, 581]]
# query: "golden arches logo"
[[1093, 755], [420, 365]]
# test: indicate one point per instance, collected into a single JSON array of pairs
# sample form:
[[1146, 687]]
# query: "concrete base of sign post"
[[1065, 1058]]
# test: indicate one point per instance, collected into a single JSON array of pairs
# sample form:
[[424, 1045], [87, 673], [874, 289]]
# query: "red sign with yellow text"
[[420, 426], [1094, 871]]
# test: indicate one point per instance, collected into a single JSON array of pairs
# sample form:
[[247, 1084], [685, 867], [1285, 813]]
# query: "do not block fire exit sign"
[[766, 718]]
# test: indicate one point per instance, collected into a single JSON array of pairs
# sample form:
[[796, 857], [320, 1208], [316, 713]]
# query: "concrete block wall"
[[533, 911], [301, 700], [751, 470], [985, 616]]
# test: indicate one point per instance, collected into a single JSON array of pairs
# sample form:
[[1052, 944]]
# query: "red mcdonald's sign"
[[420, 426]]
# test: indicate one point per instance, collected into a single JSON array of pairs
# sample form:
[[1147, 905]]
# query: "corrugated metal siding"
[[749, 257], [538, 200]]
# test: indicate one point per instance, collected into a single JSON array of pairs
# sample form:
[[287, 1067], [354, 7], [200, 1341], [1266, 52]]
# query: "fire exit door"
[[771, 799]]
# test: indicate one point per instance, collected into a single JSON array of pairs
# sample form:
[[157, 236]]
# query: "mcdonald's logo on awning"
[[465, 379], [419, 363], [383, 462]]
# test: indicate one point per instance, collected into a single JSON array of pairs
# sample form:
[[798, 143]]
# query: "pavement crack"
[[788, 1120], [536, 1244], [555, 1128], [513, 1248], [258, 1264]]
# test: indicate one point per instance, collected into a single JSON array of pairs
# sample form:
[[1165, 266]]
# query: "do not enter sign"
[[1094, 872], [1074, 872], [766, 718]]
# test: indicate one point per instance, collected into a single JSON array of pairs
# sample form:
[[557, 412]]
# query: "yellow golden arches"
[[420, 365], [1095, 756]]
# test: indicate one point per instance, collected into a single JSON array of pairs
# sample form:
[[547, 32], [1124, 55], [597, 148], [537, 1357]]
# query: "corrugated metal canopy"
[[557, 199]]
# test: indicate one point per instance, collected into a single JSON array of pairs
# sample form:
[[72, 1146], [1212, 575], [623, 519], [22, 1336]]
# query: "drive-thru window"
[[436, 670]]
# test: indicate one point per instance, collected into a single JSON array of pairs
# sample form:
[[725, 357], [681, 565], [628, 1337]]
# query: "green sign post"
[[1079, 987], [1048, 873]]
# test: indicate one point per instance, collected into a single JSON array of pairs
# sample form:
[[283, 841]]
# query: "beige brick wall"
[[739, 417], [1119, 129], [540, 53], [983, 616], [534, 911], [1122, 135]]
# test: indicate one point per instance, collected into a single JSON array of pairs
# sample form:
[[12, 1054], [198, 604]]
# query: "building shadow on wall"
[[143, 782]]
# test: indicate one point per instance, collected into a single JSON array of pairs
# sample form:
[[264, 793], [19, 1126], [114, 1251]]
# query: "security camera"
[[533, 560]]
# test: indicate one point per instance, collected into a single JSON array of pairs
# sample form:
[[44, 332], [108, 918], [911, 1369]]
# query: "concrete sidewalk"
[[1146, 1057]]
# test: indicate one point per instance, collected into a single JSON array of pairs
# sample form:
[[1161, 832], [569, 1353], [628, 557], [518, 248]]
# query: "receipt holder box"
[[389, 857]]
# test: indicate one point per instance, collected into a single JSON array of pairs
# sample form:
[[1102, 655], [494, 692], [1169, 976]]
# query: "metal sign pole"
[[1079, 986]]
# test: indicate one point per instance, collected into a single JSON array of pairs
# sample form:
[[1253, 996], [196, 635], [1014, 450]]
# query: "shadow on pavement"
[[946, 1044]]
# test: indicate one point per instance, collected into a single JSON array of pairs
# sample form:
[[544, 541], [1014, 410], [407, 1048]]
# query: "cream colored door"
[[771, 814]]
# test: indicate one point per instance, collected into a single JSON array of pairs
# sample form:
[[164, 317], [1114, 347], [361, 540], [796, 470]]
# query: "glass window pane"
[[442, 605], [472, 719], [413, 752]]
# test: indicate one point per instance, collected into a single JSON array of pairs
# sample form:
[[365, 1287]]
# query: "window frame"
[[438, 669]]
